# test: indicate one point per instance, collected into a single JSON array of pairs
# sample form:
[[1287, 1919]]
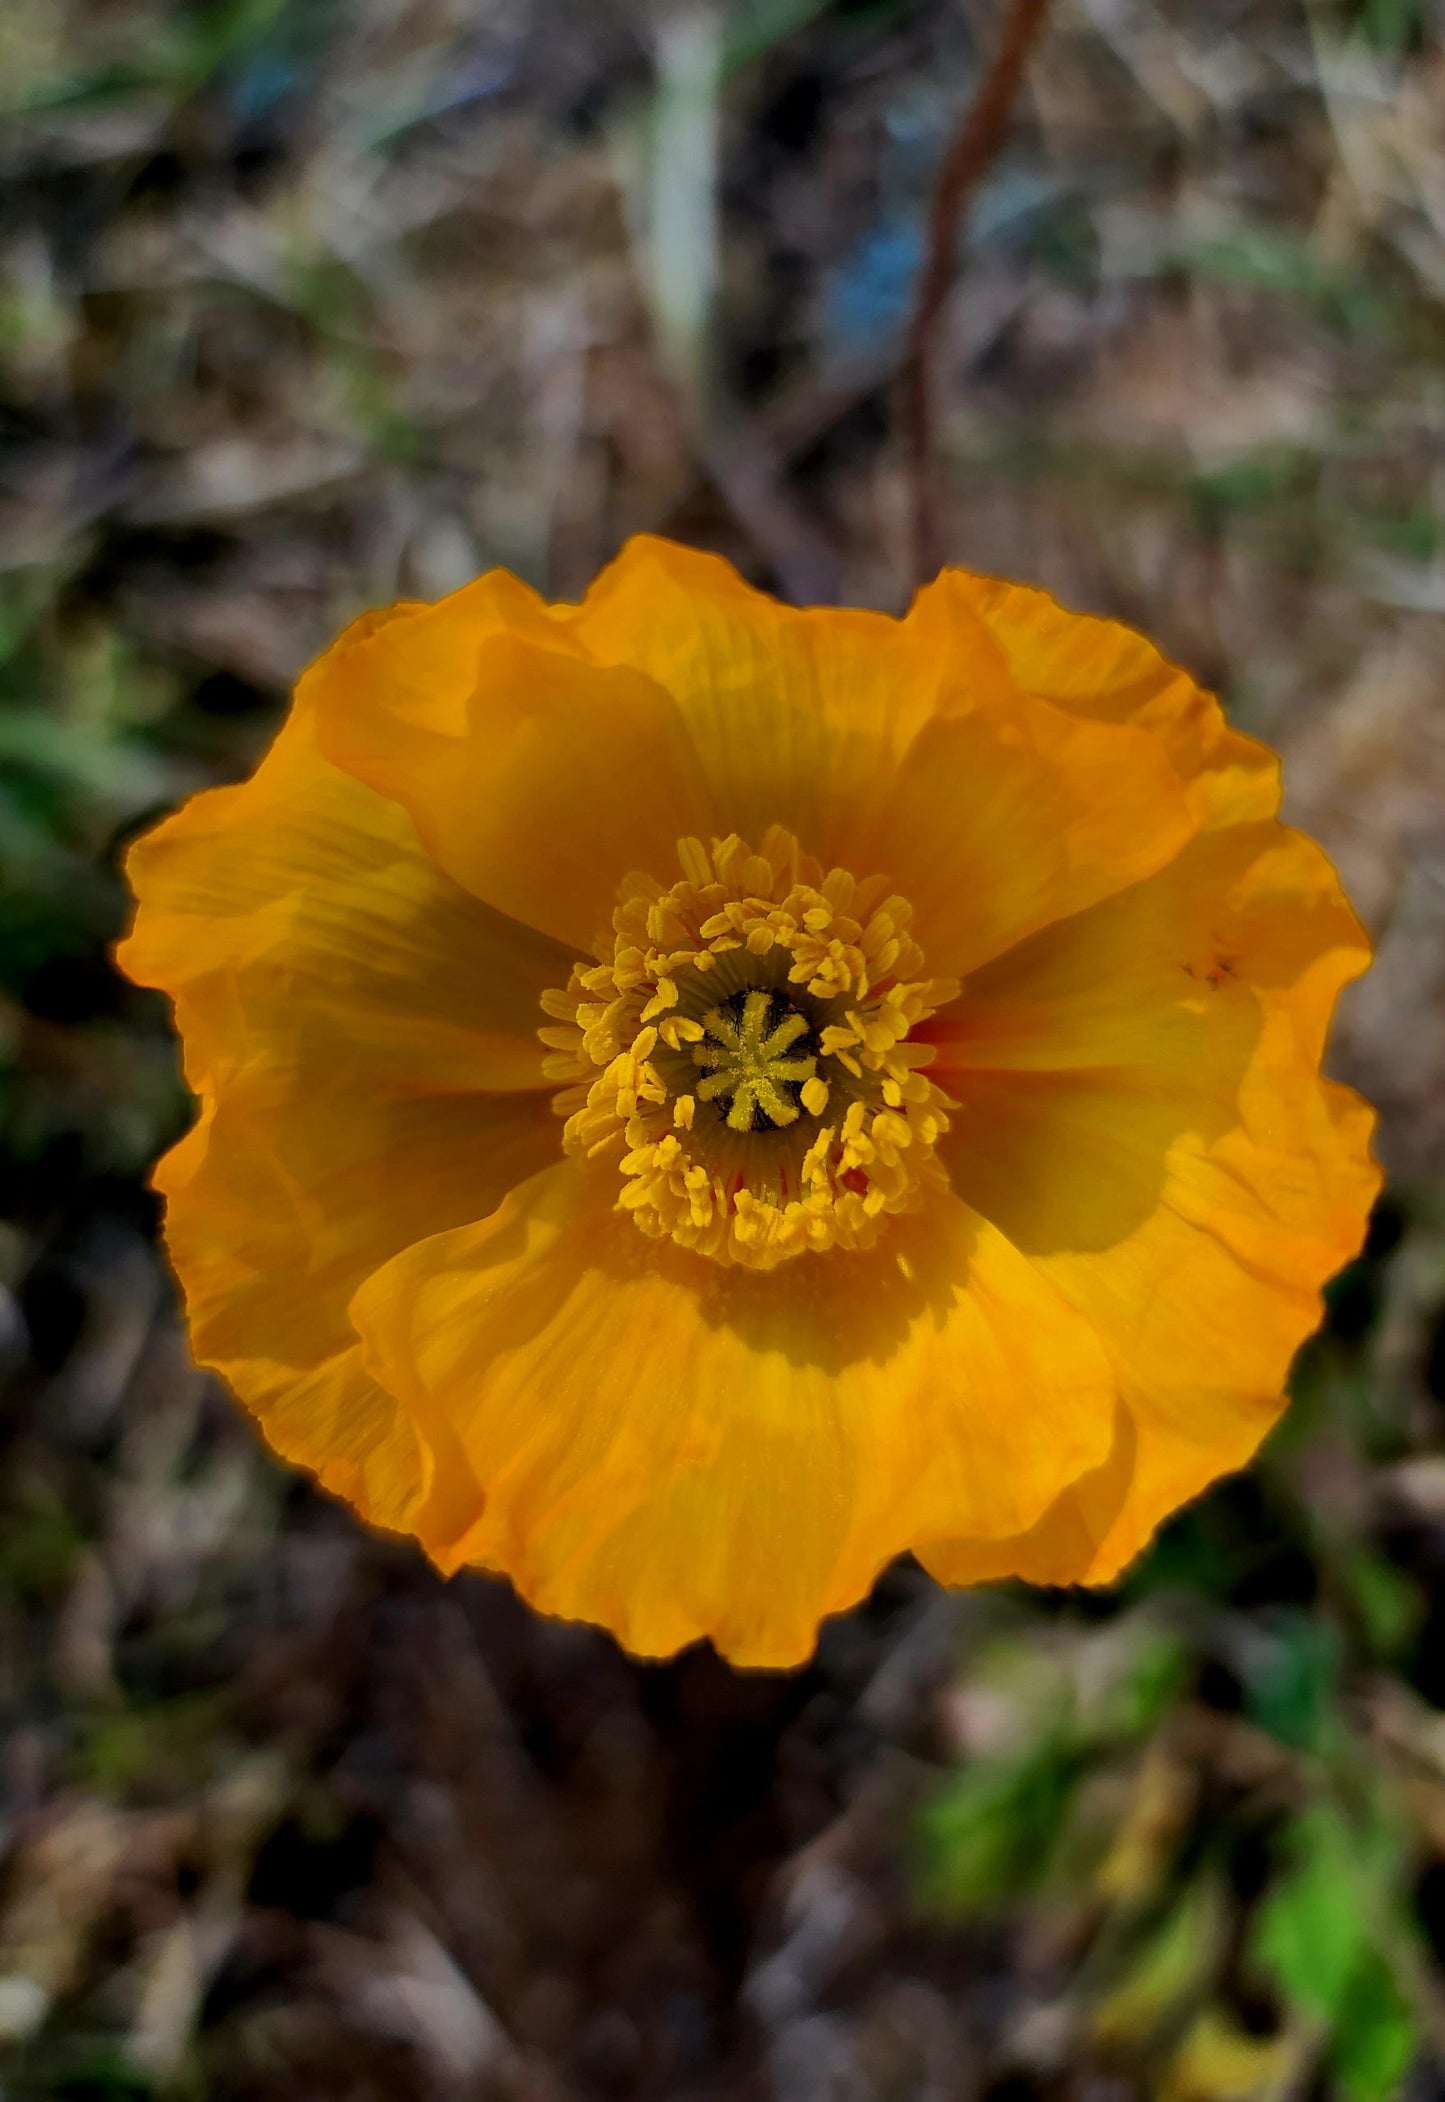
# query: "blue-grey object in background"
[[867, 298]]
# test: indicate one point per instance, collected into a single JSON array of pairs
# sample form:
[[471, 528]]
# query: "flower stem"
[[974, 146]]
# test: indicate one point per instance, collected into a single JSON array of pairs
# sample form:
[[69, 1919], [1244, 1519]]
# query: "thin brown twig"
[[974, 145]]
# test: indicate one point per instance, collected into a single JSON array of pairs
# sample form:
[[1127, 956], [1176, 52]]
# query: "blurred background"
[[308, 304]]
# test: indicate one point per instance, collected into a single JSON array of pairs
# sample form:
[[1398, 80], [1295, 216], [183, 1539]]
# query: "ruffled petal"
[[300, 903], [273, 1214], [675, 1449], [901, 746], [1140, 1111], [1060, 1544], [1004, 817], [362, 1037], [334, 1420], [276, 1209], [1168, 976], [1107, 672], [536, 778], [798, 716]]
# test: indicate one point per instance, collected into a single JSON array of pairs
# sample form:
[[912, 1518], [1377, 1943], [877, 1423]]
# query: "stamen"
[[736, 1010]]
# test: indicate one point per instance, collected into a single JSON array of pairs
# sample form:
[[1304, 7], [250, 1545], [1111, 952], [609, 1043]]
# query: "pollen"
[[742, 1049]]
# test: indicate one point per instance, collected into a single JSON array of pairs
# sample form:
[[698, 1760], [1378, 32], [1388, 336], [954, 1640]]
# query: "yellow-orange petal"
[[1164, 978], [674, 1449], [275, 1209], [1107, 672], [362, 1036], [1165, 1047], [1006, 815], [333, 1419], [536, 778], [908, 746], [798, 716], [1061, 1545], [300, 901]]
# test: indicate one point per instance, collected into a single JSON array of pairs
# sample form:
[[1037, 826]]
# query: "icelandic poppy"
[[697, 1097]]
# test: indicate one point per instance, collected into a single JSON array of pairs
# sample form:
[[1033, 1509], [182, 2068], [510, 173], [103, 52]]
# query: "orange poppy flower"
[[698, 1097]]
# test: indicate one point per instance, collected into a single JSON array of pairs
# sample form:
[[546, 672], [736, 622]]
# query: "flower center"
[[742, 1044], [754, 1061]]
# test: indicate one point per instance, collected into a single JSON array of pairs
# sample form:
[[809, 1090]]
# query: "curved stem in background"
[[972, 149]]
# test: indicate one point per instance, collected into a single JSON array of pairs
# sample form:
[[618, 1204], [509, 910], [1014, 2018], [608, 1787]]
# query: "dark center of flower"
[[757, 1053]]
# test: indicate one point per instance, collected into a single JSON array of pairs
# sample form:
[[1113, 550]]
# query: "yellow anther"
[[709, 1088]]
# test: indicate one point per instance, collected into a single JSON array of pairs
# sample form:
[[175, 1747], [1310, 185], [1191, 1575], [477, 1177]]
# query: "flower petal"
[[797, 715], [1063, 1542], [902, 746], [1006, 816], [536, 778], [1163, 977], [300, 902], [676, 1449], [1140, 1111], [289, 1190], [362, 1036], [274, 1210], [336, 1421], [1107, 672]]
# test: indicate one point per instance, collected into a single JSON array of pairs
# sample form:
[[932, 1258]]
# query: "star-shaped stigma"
[[746, 1052]]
